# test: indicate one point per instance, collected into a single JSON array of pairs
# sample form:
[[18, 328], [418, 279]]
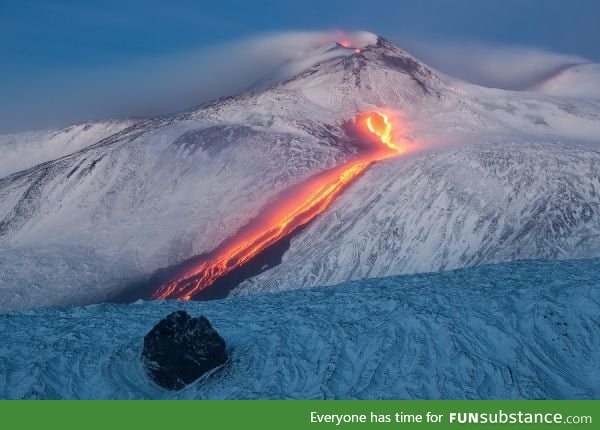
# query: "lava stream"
[[308, 201]]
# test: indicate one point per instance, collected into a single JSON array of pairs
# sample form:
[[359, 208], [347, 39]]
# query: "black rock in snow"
[[180, 349]]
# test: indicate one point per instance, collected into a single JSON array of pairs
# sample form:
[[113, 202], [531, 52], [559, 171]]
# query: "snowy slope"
[[517, 330], [472, 190], [21, 151], [582, 81], [455, 207]]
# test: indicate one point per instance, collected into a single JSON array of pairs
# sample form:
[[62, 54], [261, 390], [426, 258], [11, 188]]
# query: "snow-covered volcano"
[[491, 176]]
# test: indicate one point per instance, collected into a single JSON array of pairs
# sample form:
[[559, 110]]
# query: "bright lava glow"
[[380, 125], [307, 201]]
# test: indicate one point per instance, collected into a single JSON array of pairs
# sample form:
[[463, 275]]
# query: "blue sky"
[[45, 45]]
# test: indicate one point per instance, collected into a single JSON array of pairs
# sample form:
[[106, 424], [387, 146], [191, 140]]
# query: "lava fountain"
[[306, 202]]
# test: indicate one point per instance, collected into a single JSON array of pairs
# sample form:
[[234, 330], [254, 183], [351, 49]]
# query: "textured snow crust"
[[528, 329]]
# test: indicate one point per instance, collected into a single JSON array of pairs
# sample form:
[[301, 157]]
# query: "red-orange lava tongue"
[[308, 200]]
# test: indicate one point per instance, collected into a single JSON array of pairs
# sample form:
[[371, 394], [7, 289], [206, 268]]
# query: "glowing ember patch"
[[307, 201]]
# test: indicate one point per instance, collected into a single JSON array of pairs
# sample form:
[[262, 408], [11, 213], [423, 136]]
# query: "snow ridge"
[[527, 329]]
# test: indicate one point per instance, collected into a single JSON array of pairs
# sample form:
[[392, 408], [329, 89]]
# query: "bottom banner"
[[301, 414]]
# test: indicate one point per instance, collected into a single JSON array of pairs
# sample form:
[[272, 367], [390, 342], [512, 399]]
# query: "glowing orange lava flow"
[[306, 202]]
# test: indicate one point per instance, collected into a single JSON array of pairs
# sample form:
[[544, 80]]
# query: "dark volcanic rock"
[[180, 349]]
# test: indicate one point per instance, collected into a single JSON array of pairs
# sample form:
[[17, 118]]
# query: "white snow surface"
[[527, 329], [581, 81], [21, 151], [492, 176]]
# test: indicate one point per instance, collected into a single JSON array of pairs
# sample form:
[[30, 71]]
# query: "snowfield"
[[527, 329]]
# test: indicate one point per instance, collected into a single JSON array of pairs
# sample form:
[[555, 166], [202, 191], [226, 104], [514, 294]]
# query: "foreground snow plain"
[[528, 329]]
